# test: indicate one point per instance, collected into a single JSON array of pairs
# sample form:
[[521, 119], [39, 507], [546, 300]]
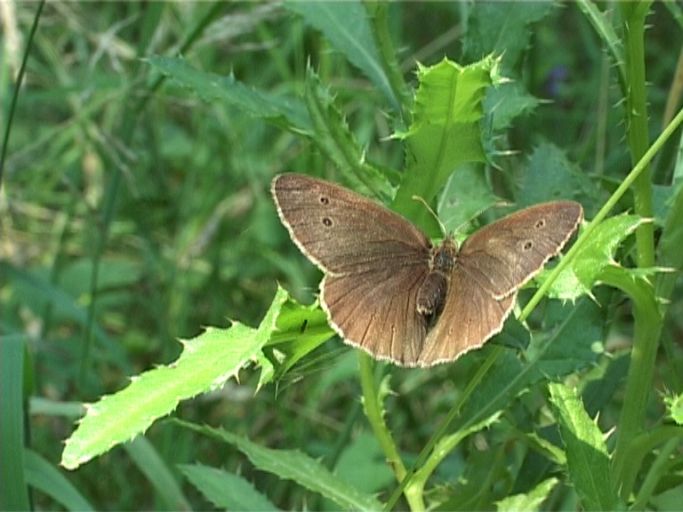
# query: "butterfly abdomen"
[[432, 293]]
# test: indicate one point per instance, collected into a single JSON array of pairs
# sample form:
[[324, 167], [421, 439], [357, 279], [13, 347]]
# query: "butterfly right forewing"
[[505, 254]]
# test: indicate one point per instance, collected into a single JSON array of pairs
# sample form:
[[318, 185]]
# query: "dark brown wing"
[[504, 255], [343, 232], [376, 311], [469, 318]]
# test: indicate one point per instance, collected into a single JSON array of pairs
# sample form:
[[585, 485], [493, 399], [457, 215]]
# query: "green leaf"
[[502, 28], [531, 500], [506, 102], [282, 110], [593, 258], [444, 132], [509, 377], [43, 476], [466, 196], [587, 459], [363, 465], [603, 26], [206, 362], [669, 252], [347, 27], [300, 330], [674, 406], [550, 176], [598, 393], [225, 490], [334, 139], [294, 465], [575, 343], [548, 449], [14, 495], [502, 383], [158, 473]]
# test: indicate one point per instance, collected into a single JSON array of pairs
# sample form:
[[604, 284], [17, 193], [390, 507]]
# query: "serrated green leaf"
[[529, 501], [502, 28], [444, 132], [226, 490], [466, 195], [300, 330], [267, 370], [587, 459], [297, 466], [549, 450], [575, 343], [285, 111], [593, 258], [338, 144], [206, 362], [347, 27], [550, 176], [506, 102], [604, 29], [674, 405]]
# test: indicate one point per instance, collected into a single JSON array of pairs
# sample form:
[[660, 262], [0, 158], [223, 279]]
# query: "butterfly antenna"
[[429, 209]]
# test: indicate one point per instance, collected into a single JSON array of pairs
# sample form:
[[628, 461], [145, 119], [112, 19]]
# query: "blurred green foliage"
[[135, 211]]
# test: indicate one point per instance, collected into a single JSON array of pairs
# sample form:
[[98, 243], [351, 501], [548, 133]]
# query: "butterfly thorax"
[[432, 293]]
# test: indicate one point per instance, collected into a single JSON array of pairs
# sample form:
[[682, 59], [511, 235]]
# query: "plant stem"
[[374, 412], [426, 452], [17, 89], [647, 328], [379, 17], [636, 122]]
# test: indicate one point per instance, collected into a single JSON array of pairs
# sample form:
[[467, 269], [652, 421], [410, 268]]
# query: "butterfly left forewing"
[[504, 255]]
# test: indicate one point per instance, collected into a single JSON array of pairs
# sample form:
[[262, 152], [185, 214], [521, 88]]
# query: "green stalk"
[[647, 328], [634, 14], [17, 89], [378, 12], [374, 412], [643, 446], [429, 456], [662, 466], [647, 318]]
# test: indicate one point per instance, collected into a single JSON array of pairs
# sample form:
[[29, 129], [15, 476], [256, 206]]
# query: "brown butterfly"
[[389, 291]]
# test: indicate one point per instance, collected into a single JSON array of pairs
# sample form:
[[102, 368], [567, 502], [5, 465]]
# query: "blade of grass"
[[17, 88]]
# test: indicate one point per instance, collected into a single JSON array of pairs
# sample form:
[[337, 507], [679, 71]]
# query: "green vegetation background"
[[151, 196]]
